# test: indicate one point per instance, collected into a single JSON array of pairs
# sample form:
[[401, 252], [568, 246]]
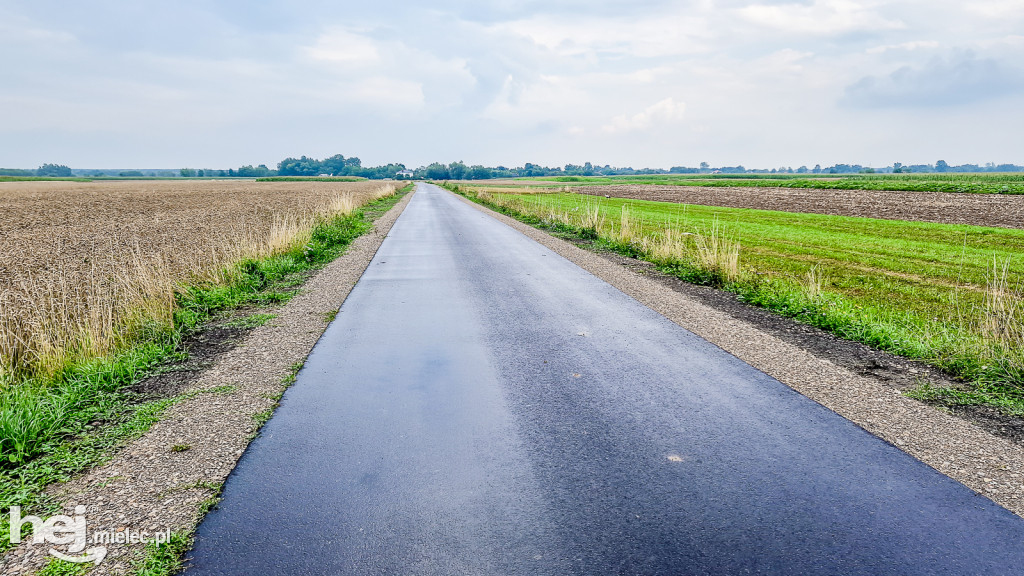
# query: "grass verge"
[[51, 431], [928, 292], [165, 558]]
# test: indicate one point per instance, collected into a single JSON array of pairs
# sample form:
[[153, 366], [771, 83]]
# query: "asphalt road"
[[483, 406]]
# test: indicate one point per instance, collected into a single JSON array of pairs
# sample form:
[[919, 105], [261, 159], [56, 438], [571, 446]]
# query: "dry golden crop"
[[81, 261]]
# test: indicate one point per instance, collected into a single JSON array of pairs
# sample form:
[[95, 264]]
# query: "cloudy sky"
[[118, 83]]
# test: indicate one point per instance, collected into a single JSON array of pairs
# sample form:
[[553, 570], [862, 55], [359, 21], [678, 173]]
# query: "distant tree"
[[299, 167], [437, 171], [478, 172], [188, 173], [704, 166], [250, 171], [941, 166], [816, 169], [131, 174], [335, 165], [201, 173], [54, 170], [458, 170], [802, 170]]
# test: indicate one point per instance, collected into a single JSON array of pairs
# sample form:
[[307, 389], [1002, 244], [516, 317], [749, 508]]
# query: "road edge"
[[985, 463]]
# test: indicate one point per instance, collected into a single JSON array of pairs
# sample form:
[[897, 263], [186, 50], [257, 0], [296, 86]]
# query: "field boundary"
[[989, 465], [994, 210], [171, 476]]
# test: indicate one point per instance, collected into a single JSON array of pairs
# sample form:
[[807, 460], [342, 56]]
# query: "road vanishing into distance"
[[481, 405]]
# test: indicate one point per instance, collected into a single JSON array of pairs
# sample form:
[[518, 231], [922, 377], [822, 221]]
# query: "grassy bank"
[[54, 427], [948, 295], [988, 183]]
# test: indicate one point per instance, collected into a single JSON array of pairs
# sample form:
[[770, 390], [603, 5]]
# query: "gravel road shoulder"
[[998, 210], [150, 487], [984, 462]]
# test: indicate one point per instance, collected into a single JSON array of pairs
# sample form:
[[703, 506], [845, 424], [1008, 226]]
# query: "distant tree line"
[[459, 171], [336, 165], [339, 165], [243, 172]]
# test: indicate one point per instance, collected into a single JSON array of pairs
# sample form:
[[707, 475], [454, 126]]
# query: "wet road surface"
[[480, 405]]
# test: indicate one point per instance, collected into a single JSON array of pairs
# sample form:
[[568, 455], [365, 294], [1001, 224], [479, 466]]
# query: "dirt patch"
[[201, 351], [998, 210]]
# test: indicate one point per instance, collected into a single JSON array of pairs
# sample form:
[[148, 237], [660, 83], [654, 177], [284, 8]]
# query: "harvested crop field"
[[1005, 211], [76, 258]]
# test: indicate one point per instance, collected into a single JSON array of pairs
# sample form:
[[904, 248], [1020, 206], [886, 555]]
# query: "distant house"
[[405, 174]]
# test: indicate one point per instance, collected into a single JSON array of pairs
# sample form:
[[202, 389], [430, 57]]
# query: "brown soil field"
[[71, 253], [1004, 211]]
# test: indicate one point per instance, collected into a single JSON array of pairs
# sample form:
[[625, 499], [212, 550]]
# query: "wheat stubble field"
[[80, 260]]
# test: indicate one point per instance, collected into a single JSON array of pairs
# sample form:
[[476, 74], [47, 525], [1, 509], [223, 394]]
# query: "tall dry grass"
[[57, 315], [711, 250], [1001, 321]]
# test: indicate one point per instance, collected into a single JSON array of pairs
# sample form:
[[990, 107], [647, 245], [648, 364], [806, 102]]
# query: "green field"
[[945, 294], [986, 183]]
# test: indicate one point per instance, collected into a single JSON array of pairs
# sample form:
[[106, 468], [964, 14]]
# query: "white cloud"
[[341, 45], [961, 79], [547, 100], [769, 81], [916, 45], [645, 36], [667, 111], [820, 18], [389, 93], [996, 9]]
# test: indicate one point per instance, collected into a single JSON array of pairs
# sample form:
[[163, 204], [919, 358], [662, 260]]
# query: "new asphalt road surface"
[[481, 405]]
